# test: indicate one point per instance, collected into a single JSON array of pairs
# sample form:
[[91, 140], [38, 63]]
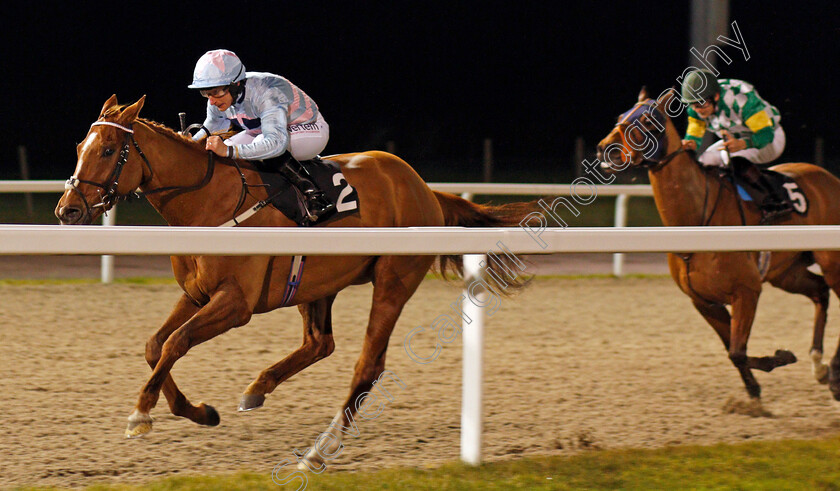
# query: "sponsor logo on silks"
[[304, 127]]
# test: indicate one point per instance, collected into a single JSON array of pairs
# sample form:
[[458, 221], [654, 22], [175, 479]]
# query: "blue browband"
[[641, 108], [635, 113]]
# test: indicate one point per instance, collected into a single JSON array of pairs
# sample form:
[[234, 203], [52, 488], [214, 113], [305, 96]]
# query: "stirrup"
[[769, 216], [316, 205]]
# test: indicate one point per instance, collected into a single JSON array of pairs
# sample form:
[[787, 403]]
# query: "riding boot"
[[775, 205], [767, 196], [316, 202]]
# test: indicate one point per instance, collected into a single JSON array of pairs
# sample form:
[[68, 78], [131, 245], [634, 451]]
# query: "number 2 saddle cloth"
[[327, 176]]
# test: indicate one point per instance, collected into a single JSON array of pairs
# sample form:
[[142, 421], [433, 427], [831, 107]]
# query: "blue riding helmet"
[[217, 68]]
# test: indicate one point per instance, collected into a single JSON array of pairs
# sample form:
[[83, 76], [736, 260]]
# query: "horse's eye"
[[108, 152]]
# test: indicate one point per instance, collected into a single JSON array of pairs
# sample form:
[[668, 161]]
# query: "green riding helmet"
[[699, 86]]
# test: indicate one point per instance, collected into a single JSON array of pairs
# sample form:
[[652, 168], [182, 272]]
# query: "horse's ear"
[[130, 113], [643, 94], [669, 103], [111, 102], [667, 97]]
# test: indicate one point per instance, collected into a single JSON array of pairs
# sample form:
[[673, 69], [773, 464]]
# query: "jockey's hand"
[[733, 144], [689, 145], [216, 145]]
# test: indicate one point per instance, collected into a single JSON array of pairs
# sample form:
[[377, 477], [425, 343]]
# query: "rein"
[[655, 166]]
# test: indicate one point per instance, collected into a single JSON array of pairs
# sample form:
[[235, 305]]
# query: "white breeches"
[[306, 141], [711, 157]]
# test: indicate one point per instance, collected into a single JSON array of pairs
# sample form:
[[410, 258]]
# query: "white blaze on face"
[[86, 146]]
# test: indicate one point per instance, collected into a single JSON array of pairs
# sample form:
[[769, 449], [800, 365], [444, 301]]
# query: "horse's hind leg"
[[317, 345], [797, 279], [179, 405], [395, 281], [829, 262]]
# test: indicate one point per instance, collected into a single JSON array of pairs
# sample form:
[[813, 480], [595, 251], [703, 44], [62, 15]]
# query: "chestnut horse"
[[122, 153], [687, 194]]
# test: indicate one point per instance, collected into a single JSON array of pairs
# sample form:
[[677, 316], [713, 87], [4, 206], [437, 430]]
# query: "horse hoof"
[[138, 424], [834, 388], [211, 415], [821, 374], [311, 461], [785, 357], [249, 402]]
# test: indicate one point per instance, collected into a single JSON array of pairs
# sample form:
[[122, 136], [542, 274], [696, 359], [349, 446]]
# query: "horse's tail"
[[458, 212]]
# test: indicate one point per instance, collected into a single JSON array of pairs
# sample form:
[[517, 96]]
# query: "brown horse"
[[686, 194], [122, 153]]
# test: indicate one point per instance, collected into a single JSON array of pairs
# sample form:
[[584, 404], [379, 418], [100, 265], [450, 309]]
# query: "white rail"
[[247, 241], [33, 186], [467, 190]]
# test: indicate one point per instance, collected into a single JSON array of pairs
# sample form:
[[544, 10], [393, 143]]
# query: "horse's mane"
[[158, 128], [168, 132]]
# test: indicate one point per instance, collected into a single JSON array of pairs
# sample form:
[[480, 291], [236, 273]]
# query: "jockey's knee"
[[711, 159]]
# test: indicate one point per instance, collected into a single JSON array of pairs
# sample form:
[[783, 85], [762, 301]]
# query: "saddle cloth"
[[789, 187], [329, 179]]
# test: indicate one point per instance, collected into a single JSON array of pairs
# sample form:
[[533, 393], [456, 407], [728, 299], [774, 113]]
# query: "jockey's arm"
[[696, 129], [272, 108], [274, 122], [755, 116], [215, 122]]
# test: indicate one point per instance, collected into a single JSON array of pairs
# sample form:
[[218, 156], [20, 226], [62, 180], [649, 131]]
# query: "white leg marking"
[[327, 446], [818, 368]]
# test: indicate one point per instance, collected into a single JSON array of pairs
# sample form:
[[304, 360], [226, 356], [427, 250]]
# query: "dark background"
[[435, 77]]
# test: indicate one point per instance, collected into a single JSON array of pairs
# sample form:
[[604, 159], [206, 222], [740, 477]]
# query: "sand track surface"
[[571, 365]]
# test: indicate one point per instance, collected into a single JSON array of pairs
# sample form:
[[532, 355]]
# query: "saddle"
[[326, 174], [781, 186]]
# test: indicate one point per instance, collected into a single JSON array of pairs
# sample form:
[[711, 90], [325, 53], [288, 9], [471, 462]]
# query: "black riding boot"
[[767, 196], [316, 202]]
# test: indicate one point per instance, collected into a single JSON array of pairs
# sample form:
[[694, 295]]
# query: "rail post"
[[473, 363], [620, 221], [107, 261]]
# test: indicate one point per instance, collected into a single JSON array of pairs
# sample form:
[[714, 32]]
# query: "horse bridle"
[[110, 196], [653, 165]]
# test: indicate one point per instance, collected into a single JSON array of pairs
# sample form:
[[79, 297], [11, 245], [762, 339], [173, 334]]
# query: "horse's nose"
[[599, 151], [68, 215]]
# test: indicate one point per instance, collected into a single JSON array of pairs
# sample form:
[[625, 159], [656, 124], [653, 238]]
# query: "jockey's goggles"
[[215, 92]]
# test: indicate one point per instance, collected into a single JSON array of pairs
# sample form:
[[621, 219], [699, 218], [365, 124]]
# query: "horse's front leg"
[[178, 403], [226, 309], [744, 304]]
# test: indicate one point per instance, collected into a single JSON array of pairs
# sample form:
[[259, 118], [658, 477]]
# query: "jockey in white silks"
[[280, 124]]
